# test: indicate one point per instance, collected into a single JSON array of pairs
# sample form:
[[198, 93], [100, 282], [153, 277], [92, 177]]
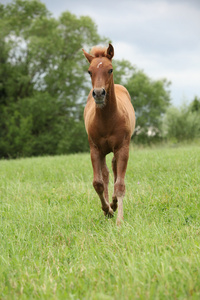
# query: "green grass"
[[55, 242]]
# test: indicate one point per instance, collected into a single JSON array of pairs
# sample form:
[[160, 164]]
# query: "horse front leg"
[[101, 174], [121, 157]]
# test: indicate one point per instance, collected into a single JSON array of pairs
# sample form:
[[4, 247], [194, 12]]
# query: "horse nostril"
[[103, 92], [93, 93]]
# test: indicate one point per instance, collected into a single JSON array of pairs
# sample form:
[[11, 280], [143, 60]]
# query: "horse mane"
[[98, 51]]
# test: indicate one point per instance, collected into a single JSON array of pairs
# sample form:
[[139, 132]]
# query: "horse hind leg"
[[114, 198], [119, 186]]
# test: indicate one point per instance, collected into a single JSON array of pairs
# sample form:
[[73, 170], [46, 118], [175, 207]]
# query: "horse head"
[[101, 72]]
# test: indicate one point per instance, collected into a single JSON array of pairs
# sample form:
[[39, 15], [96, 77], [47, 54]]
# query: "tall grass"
[[55, 242]]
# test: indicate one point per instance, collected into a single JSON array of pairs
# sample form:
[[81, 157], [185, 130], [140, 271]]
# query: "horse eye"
[[90, 73], [110, 71]]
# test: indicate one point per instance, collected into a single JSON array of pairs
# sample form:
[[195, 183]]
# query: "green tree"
[[42, 83], [195, 105], [181, 124], [150, 99], [123, 70]]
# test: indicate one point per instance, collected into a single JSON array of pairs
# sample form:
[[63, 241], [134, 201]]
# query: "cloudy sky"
[[162, 37]]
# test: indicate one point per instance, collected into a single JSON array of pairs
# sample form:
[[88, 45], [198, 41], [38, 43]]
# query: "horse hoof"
[[109, 213]]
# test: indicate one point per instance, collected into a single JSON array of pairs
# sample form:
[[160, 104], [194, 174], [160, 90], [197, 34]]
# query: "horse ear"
[[110, 52], [88, 56]]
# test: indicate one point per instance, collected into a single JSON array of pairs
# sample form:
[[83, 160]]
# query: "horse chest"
[[105, 144], [106, 141]]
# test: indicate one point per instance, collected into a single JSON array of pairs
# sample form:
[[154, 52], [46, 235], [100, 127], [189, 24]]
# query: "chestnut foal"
[[109, 121]]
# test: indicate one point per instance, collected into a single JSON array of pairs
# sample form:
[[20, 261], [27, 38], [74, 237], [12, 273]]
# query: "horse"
[[109, 122]]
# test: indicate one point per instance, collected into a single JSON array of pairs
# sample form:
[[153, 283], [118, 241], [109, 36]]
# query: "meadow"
[[55, 242]]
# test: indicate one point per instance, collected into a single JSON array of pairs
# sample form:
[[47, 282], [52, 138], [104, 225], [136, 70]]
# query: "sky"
[[161, 37]]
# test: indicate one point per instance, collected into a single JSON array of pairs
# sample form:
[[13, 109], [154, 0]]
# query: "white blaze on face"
[[99, 64]]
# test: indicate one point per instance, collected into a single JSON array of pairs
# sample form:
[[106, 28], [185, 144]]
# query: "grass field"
[[55, 242]]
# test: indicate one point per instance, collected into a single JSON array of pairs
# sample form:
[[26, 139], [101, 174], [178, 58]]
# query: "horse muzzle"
[[99, 95]]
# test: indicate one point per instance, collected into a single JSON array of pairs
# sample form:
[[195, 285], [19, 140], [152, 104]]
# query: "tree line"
[[44, 83]]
